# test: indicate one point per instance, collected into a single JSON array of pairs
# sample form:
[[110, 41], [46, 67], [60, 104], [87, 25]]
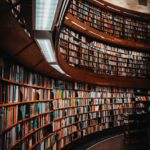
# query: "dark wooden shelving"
[[77, 100], [78, 25], [101, 58], [101, 18]]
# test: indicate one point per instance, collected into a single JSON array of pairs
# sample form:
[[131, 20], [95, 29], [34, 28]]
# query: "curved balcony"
[[94, 61], [111, 22]]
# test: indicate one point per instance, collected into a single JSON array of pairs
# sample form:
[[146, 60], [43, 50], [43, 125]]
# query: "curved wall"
[[131, 4]]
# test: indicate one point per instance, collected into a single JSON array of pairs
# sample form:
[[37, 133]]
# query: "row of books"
[[72, 134], [36, 122], [109, 69], [85, 43], [17, 73], [18, 132], [13, 114], [110, 65], [76, 112], [87, 102], [105, 53], [16, 93], [61, 133], [12, 137], [104, 58], [95, 12], [62, 103], [69, 121]]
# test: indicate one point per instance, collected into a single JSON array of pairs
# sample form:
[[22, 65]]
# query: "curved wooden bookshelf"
[[106, 80], [93, 123], [27, 119], [118, 25], [30, 133], [76, 24], [40, 141], [69, 135], [56, 119]]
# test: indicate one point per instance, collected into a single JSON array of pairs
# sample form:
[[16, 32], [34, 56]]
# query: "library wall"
[[38, 112], [94, 56], [131, 4], [111, 23]]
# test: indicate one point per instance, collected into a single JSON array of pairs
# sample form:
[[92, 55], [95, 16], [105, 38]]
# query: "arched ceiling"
[[131, 4], [15, 43]]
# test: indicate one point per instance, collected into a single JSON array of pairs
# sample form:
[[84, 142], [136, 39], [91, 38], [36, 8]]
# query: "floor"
[[116, 143]]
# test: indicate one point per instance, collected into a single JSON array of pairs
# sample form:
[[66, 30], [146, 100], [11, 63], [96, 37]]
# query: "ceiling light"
[[55, 66], [47, 50], [45, 12]]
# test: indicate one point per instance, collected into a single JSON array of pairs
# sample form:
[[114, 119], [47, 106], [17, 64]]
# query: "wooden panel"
[[13, 38], [43, 67], [30, 56], [89, 31]]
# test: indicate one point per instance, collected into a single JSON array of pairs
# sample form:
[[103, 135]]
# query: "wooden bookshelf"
[[78, 25], [71, 110], [136, 123], [98, 57], [112, 23]]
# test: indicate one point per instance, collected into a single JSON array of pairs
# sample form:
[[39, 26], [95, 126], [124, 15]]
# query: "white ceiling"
[[131, 4]]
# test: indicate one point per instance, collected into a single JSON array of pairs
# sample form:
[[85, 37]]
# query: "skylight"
[[45, 13]]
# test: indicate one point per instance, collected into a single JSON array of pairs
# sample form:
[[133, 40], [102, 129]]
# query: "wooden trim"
[[25, 102], [24, 84], [95, 34]]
